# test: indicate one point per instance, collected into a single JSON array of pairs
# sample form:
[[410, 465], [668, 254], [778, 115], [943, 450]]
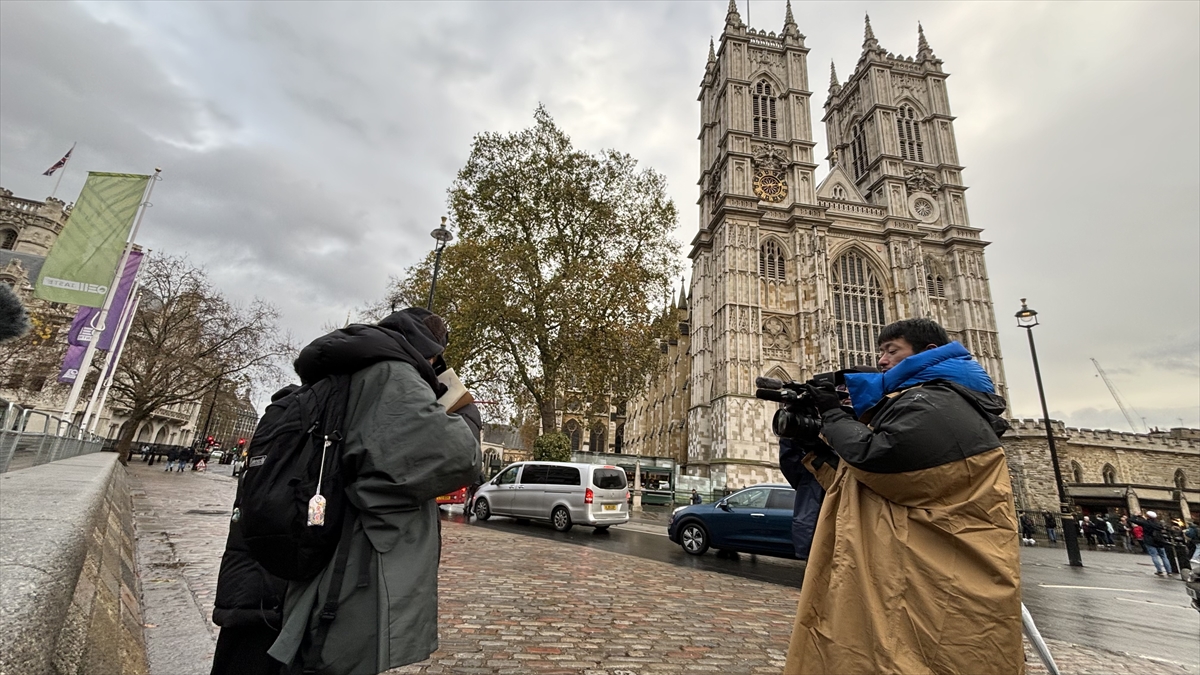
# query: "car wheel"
[[561, 519], [694, 538], [482, 510]]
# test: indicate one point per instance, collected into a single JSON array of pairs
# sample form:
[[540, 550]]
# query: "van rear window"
[[609, 479]]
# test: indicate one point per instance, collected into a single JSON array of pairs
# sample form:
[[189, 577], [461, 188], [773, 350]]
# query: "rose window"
[[923, 208]]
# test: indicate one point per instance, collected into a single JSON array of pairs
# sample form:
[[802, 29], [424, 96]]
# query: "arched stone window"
[[858, 151], [770, 261], [8, 239], [839, 192], [597, 440], [935, 286], [909, 131], [575, 433], [1110, 474], [1077, 472], [858, 312], [1180, 479], [765, 123]]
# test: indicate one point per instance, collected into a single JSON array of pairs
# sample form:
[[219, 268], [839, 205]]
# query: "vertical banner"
[[82, 328], [71, 363], [84, 260]]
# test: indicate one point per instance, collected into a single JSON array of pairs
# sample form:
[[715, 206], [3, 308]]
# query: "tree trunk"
[[546, 410], [125, 443]]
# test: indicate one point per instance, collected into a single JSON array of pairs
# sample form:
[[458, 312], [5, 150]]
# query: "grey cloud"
[[308, 146]]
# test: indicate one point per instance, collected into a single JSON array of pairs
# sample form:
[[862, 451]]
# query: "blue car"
[[755, 520]]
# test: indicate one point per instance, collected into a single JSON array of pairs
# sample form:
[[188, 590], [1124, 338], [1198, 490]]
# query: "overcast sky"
[[307, 148]]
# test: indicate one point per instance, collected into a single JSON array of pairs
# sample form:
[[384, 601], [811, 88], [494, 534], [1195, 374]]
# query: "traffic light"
[[210, 440], [241, 442]]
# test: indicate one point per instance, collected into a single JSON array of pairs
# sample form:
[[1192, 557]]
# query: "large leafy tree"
[[557, 280], [187, 340]]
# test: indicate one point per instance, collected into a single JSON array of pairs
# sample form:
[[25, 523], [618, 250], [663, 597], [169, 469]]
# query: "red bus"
[[459, 496]]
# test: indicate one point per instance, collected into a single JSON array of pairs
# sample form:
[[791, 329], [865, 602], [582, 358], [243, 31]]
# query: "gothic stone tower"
[[791, 279]]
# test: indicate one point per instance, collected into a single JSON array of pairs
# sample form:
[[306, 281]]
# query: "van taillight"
[[588, 496], [627, 495]]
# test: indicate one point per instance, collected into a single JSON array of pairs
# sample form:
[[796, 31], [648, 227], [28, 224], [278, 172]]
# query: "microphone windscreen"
[[14, 320]]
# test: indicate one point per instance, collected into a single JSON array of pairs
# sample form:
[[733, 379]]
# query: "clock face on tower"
[[769, 185]]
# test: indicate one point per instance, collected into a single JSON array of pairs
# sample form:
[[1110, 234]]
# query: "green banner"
[[84, 259]]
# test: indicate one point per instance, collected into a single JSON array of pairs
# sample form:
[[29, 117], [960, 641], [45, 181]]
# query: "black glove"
[[824, 396]]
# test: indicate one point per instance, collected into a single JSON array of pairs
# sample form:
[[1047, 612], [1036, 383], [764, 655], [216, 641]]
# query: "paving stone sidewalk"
[[511, 603]]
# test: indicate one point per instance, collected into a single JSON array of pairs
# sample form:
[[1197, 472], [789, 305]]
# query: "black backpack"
[[296, 447]]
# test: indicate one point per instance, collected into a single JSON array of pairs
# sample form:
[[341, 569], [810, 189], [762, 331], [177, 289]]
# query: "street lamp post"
[[442, 235], [1027, 319]]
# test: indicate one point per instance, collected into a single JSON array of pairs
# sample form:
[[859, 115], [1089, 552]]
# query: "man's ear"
[[929, 346]]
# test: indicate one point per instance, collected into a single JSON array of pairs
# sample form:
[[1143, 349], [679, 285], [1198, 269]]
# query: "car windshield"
[[609, 479]]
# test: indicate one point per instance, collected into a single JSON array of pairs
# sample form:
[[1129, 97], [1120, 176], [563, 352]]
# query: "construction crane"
[[1126, 410]]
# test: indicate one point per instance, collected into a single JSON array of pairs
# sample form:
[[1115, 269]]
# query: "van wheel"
[[482, 510], [561, 519], [694, 538]]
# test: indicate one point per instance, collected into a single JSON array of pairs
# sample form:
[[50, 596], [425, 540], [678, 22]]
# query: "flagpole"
[[121, 334], [110, 371], [64, 170], [90, 352]]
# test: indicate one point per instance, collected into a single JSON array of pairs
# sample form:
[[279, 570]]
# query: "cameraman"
[[914, 562]]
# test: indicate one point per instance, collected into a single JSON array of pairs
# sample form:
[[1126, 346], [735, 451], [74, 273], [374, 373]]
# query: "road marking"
[[1148, 602], [1093, 588]]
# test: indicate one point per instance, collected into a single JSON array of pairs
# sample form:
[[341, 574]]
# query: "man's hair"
[[917, 332]]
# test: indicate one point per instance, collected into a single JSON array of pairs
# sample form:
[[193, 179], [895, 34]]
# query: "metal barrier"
[[30, 437]]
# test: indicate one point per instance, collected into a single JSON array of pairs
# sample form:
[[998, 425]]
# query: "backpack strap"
[[329, 610]]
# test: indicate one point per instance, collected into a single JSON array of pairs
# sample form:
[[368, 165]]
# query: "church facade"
[[791, 278]]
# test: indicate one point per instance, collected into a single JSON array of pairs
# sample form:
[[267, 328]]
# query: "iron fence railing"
[[30, 437]]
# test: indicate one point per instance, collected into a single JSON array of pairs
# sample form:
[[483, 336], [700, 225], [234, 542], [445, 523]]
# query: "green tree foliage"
[[559, 274], [552, 447]]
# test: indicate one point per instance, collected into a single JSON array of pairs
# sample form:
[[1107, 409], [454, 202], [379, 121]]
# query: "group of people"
[[1170, 544], [177, 458]]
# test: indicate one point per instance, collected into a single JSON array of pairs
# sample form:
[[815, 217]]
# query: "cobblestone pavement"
[[511, 603]]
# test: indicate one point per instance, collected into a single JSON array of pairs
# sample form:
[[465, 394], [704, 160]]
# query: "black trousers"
[[242, 650]]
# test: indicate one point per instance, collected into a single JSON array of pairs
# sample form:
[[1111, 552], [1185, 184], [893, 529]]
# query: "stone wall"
[[68, 574], [1145, 462]]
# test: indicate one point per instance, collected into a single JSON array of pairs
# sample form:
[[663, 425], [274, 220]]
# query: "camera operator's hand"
[[824, 396]]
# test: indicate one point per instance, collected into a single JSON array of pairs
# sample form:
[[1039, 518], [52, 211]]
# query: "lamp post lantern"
[[1027, 319], [442, 235]]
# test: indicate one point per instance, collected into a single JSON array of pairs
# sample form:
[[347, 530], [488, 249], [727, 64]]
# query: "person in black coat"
[[248, 604], [809, 494]]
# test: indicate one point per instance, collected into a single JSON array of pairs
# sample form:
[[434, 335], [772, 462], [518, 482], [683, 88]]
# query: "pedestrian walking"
[[914, 566], [696, 497], [1154, 540], [1027, 529], [411, 450], [1051, 527], [1108, 531], [185, 459], [172, 456]]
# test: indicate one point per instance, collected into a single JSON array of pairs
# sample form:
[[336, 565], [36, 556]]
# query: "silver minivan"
[[563, 493]]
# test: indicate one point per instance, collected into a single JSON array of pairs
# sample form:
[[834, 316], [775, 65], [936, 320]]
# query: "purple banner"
[[71, 363], [81, 328]]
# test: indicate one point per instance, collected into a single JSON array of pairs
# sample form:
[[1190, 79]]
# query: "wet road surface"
[[1113, 603]]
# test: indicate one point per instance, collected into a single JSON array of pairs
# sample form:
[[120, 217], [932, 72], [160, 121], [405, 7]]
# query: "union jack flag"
[[60, 163]]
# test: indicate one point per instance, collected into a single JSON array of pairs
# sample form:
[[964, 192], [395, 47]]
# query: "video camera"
[[798, 418]]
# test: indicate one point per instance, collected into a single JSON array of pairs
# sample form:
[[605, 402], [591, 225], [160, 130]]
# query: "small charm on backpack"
[[316, 511]]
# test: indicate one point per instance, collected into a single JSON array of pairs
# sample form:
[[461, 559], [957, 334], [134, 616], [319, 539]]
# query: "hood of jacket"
[[399, 337], [951, 362]]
